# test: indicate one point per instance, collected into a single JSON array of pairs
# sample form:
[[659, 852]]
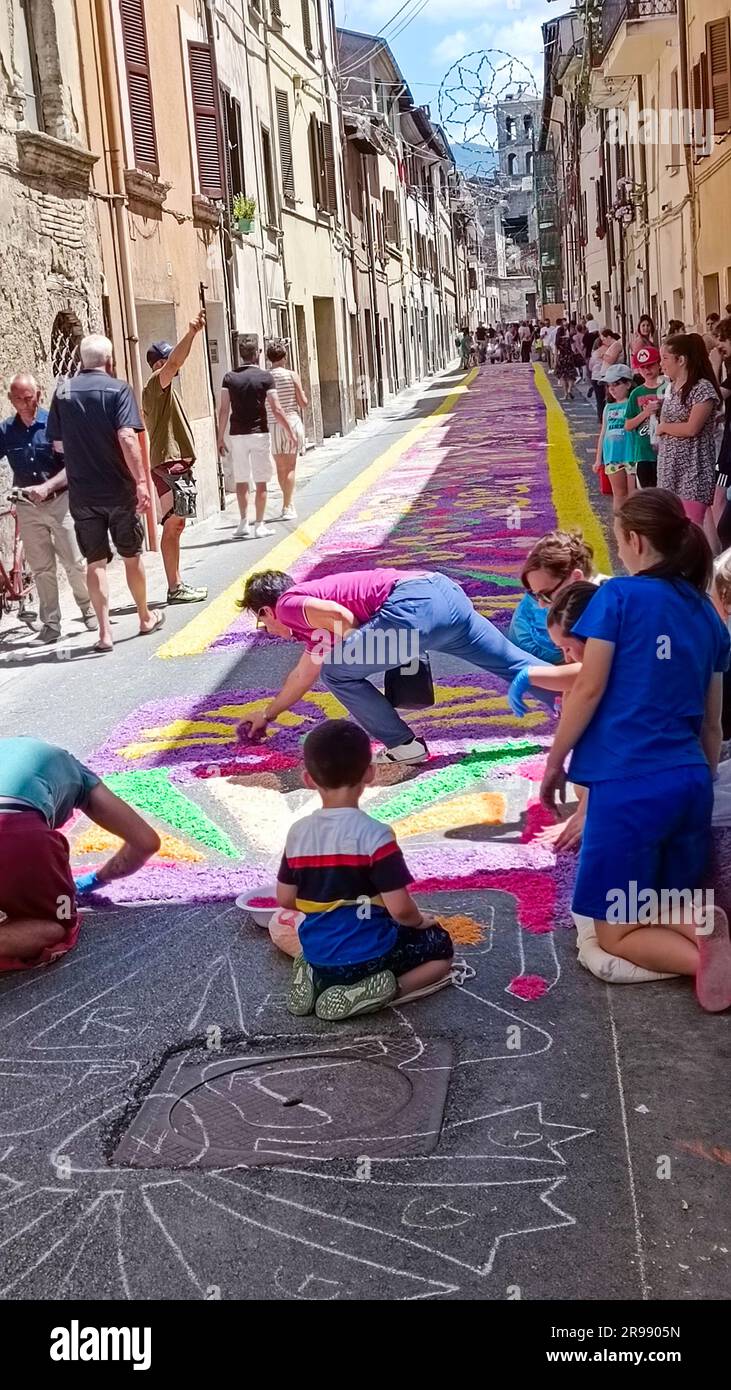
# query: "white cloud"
[[521, 38], [451, 47], [462, 26]]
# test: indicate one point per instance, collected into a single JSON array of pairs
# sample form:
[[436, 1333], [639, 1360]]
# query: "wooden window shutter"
[[718, 50], [139, 85], [328, 160], [275, 10], [209, 145], [701, 99], [307, 25], [284, 134], [313, 136]]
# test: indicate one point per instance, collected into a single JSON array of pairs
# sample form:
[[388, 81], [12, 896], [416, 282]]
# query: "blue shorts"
[[652, 832]]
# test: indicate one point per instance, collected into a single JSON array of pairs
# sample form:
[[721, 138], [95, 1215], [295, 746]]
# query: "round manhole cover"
[[328, 1097]]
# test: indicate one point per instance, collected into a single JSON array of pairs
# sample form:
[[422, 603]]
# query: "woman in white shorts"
[[249, 398], [293, 402]]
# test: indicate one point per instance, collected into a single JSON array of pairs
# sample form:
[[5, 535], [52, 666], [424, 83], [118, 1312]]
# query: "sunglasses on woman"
[[544, 596]]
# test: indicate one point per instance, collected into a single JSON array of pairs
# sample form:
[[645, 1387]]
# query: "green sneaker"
[[301, 997], [364, 997], [186, 593]]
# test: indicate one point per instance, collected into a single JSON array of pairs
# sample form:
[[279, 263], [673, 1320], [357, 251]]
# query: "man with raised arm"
[[172, 454]]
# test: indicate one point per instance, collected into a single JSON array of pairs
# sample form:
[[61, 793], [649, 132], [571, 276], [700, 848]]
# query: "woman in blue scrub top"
[[644, 728]]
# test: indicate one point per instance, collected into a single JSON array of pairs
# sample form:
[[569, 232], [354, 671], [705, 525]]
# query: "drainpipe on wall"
[[424, 332], [279, 229], [108, 74], [259, 258], [688, 148], [645, 214], [622, 286], [372, 277]]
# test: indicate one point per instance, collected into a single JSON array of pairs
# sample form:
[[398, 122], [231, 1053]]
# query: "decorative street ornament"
[[475, 86]]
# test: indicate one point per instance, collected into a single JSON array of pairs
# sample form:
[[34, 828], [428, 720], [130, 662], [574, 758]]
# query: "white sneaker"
[[260, 530], [288, 514], [243, 531], [414, 751]]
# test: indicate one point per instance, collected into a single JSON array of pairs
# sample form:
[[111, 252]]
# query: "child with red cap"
[[642, 410]]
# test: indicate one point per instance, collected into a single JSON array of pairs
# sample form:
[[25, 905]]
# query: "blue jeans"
[[439, 611]]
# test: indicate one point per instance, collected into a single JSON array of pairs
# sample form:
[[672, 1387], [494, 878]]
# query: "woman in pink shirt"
[[359, 624]]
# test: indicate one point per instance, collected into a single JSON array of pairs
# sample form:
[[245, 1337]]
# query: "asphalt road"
[[466, 1147]]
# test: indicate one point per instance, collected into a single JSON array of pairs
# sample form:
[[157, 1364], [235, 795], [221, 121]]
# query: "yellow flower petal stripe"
[[570, 498], [481, 808], [197, 635]]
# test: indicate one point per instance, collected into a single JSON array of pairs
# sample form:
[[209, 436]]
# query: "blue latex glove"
[[517, 690], [86, 883]]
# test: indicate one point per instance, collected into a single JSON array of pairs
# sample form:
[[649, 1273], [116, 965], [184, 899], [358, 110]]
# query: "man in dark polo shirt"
[[245, 395], [45, 523], [172, 451], [95, 423]]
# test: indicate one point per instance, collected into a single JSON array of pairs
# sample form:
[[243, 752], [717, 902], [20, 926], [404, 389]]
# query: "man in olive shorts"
[[94, 422], [172, 452]]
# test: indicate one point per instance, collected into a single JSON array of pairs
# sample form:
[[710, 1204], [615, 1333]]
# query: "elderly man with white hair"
[[45, 523], [94, 421]]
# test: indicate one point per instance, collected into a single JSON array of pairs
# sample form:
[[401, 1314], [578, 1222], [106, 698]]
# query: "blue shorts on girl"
[[648, 822]]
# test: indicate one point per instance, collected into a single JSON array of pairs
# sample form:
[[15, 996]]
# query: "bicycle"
[[16, 579]]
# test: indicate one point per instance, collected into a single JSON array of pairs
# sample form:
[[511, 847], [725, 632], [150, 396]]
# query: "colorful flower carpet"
[[469, 497]]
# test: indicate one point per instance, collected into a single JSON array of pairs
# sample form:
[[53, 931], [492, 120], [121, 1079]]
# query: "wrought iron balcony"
[[635, 14]]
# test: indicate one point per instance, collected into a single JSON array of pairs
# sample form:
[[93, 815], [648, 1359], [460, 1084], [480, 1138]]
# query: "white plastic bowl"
[[261, 915]]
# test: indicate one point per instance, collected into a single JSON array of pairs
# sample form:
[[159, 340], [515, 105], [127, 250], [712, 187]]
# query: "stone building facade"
[[52, 277]]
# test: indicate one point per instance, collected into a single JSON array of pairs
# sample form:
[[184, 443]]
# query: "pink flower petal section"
[[528, 986]]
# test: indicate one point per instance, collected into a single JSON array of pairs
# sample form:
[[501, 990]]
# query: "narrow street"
[[170, 1131]]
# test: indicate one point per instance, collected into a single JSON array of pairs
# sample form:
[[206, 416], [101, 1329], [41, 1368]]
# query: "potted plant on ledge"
[[244, 212]]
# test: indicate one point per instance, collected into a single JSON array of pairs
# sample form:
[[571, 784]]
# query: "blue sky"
[[446, 29]]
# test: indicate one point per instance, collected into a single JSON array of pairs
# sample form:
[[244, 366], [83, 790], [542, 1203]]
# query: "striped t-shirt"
[[340, 861]]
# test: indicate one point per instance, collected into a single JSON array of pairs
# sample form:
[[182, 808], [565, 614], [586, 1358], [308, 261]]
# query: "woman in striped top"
[[293, 401]]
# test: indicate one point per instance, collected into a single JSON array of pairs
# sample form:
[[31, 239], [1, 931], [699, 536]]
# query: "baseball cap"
[[619, 371], [158, 352], [646, 357]]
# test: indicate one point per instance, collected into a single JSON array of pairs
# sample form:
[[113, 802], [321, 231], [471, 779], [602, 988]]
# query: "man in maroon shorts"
[[40, 786]]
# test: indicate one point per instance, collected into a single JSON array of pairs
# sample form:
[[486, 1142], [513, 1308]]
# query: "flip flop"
[[159, 622], [713, 978], [102, 647]]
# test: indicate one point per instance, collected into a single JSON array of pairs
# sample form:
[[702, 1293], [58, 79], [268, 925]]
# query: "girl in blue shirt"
[[644, 727]]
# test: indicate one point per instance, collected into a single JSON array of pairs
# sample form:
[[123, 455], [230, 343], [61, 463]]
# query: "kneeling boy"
[[40, 786], [364, 940]]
